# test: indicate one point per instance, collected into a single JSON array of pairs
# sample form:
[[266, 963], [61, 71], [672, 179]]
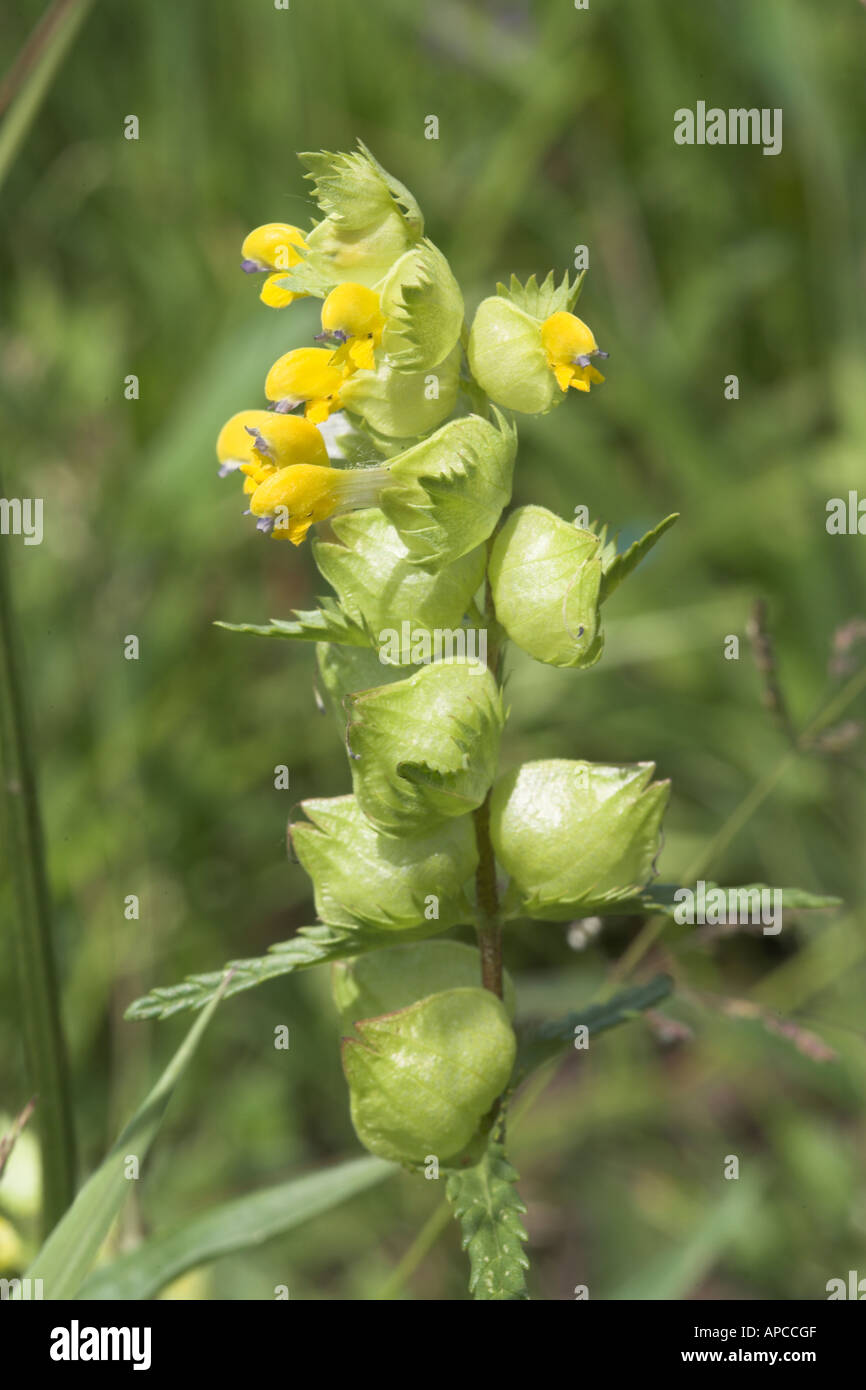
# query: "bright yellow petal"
[[362, 354], [563, 376], [274, 295], [275, 245], [303, 374]]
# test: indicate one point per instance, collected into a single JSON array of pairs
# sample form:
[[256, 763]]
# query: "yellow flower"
[[258, 442], [306, 375], [569, 345], [274, 247], [292, 499], [352, 317]]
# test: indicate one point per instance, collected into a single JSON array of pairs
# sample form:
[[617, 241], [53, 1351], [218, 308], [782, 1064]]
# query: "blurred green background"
[[556, 129]]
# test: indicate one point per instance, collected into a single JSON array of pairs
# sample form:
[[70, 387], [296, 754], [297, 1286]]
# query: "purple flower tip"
[[261, 445], [265, 524], [251, 267]]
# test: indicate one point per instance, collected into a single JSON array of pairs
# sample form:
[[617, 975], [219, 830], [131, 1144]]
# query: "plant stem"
[[489, 924], [40, 1007]]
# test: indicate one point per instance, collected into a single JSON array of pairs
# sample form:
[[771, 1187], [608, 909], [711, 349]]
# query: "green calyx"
[[576, 837], [424, 749], [546, 578], [423, 1079]]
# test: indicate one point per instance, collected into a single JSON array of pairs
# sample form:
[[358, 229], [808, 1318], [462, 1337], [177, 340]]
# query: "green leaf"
[[72, 1246], [540, 1044], [403, 405], [541, 301], [424, 749], [243, 1224], [447, 493], [423, 309], [623, 564], [364, 879], [576, 837], [393, 979], [379, 588], [311, 946], [546, 575], [422, 1079], [326, 624], [488, 1207]]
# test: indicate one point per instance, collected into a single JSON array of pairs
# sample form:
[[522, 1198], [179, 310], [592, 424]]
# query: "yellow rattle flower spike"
[[569, 344], [292, 499], [274, 247], [352, 319], [306, 376]]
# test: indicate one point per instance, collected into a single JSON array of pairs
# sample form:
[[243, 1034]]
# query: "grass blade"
[[237, 1225], [70, 1250], [49, 47], [40, 1005]]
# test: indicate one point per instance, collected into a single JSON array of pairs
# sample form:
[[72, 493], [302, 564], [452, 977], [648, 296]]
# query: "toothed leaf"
[[487, 1205]]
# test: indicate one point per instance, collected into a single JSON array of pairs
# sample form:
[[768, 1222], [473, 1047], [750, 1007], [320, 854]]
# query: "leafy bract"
[[353, 189], [330, 623], [541, 301], [379, 588], [622, 565], [423, 309], [446, 494], [576, 837], [547, 1040], [422, 1079], [546, 575], [487, 1205], [310, 946], [362, 878], [401, 975], [424, 749]]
